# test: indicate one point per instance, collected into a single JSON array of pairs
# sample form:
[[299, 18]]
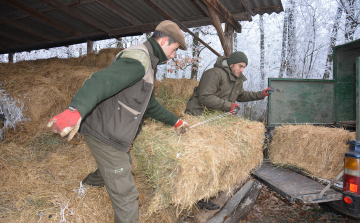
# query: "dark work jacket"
[[218, 89]]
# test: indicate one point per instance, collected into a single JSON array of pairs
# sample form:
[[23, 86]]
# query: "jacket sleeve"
[[104, 83], [246, 96], [208, 87], [156, 111]]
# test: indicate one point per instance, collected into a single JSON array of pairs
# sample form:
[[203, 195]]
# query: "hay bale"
[[40, 183], [316, 149], [208, 159], [45, 87], [174, 93]]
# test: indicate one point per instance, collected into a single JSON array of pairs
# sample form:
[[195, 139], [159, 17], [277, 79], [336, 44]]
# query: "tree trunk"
[[235, 41], [195, 54], [262, 52], [119, 43], [291, 50], [329, 59], [351, 22], [284, 46]]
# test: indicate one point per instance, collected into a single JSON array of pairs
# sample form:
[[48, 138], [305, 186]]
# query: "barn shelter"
[[27, 25], [42, 171]]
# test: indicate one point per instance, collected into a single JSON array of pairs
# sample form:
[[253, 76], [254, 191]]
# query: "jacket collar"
[[157, 50], [154, 60], [225, 66]]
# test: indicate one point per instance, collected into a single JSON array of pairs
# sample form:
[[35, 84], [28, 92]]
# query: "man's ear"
[[164, 41]]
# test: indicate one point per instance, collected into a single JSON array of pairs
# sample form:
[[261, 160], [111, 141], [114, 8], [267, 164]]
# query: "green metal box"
[[345, 80], [301, 101], [318, 101]]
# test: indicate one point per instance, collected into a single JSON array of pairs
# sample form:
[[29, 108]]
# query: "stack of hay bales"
[[318, 150], [45, 87], [40, 172], [43, 170]]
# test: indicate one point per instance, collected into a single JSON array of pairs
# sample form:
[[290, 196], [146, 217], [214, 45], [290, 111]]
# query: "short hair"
[[157, 35]]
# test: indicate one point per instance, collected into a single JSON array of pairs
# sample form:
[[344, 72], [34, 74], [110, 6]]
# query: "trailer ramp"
[[294, 186]]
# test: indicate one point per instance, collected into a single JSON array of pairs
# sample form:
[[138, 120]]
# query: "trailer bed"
[[294, 186]]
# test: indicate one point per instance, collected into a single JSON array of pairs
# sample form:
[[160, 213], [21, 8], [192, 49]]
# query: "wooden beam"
[[9, 42], [19, 38], [77, 14], [25, 28], [117, 9], [181, 26], [242, 17], [198, 7], [195, 36], [157, 8], [244, 4], [269, 9], [223, 13], [147, 27], [217, 25], [42, 17]]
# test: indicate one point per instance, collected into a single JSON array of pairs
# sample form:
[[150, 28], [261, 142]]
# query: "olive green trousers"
[[115, 169]]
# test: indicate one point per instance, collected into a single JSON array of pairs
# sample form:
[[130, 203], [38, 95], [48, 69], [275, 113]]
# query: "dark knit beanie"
[[237, 57]]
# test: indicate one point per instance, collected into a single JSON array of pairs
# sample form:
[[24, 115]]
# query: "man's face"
[[238, 68], [169, 50]]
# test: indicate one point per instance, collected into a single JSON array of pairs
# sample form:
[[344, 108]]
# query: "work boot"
[[208, 205], [94, 179]]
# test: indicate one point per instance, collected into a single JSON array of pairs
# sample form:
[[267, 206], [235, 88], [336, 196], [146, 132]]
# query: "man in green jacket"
[[220, 87], [109, 110]]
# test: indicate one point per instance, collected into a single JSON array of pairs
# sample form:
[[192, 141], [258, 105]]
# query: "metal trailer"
[[320, 102]]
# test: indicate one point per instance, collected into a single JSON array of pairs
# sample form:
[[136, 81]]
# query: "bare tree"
[[310, 42], [284, 45], [334, 32], [195, 54], [262, 51], [291, 50], [352, 15]]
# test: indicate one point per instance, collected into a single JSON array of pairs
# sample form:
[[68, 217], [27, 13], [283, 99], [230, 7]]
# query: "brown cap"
[[172, 29]]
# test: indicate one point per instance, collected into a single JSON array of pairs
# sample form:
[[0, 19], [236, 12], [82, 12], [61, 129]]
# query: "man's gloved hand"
[[268, 91], [181, 126], [66, 123], [235, 108]]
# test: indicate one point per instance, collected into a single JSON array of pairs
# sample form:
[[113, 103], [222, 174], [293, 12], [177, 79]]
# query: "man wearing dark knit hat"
[[220, 87], [109, 109]]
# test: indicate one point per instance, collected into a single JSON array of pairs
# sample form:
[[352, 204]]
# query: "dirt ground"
[[272, 208]]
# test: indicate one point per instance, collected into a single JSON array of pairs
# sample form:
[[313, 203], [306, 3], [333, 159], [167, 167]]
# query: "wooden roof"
[[27, 25]]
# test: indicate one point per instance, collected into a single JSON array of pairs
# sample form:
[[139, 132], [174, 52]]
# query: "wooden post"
[[217, 24], [11, 57], [229, 37], [90, 45]]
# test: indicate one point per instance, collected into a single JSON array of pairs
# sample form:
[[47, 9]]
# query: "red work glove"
[[235, 108], [66, 123], [181, 126], [268, 91]]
